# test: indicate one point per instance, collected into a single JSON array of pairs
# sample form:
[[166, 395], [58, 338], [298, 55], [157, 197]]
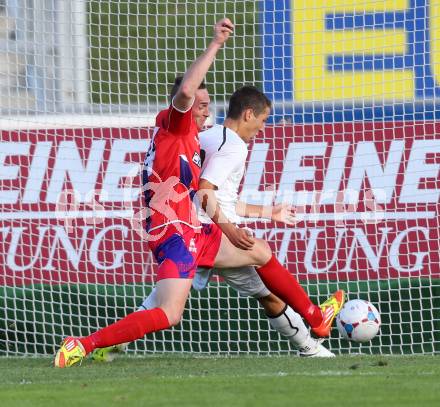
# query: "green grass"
[[225, 382]]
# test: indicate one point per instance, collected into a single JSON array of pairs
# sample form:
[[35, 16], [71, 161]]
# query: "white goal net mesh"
[[352, 142]]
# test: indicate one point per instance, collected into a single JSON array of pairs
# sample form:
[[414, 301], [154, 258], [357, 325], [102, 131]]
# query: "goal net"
[[352, 143]]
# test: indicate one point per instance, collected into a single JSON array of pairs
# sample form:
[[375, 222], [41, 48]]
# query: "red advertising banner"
[[366, 195]]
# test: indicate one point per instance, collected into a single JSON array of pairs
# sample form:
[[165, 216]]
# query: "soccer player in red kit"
[[171, 176]]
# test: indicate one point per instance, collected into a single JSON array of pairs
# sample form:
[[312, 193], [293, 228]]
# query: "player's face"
[[200, 109], [257, 123]]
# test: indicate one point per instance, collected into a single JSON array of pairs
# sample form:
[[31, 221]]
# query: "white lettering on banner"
[[56, 237], [10, 172], [395, 251], [366, 162], [37, 171], [335, 172], [83, 173], [16, 238], [294, 171], [69, 163], [358, 240], [117, 254], [61, 236], [312, 249], [118, 168], [417, 170]]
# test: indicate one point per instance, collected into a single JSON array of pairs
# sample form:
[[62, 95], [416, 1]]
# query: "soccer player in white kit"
[[224, 155]]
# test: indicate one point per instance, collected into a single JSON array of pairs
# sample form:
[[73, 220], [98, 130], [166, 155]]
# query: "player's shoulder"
[[234, 144], [162, 118], [220, 138], [211, 138], [214, 131], [166, 117], [233, 138]]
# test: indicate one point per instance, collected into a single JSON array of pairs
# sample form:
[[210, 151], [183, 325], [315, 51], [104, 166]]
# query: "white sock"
[[291, 325], [149, 302]]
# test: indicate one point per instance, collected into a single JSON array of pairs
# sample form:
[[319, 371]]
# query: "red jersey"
[[172, 170]]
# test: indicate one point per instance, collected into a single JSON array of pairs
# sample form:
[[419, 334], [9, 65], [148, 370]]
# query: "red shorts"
[[178, 253]]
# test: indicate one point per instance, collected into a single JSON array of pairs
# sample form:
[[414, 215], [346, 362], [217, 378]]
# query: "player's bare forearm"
[[253, 211], [198, 69], [280, 213], [238, 237]]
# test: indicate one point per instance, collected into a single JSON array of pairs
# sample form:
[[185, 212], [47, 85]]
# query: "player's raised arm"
[[197, 71]]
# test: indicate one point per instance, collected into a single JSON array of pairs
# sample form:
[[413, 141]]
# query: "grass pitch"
[[224, 382]]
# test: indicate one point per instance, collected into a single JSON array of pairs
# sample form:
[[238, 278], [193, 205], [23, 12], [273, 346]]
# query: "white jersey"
[[224, 155]]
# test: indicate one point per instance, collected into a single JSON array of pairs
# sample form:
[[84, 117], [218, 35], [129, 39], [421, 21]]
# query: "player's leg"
[[246, 282], [281, 317], [175, 273], [281, 282], [176, 263], [230, 256], [290, 325], [171, 297], [110, 352]]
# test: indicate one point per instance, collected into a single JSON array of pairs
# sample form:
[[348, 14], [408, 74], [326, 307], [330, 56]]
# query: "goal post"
[[352, 143]]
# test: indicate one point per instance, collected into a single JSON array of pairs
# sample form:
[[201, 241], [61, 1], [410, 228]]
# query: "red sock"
[[128, 329], [284, 285]]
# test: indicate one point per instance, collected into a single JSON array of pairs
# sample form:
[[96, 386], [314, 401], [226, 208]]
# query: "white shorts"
[[245, 280]]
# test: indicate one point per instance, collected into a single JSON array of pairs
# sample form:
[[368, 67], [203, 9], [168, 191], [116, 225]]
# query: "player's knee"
[[175, 320], [174, 317], [262, 252]]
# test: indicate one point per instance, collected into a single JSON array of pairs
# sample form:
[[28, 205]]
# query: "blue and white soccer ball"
[[358, 321]]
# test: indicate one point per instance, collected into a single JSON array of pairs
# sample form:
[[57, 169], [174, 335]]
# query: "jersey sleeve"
[[178, 122], [221, 164]]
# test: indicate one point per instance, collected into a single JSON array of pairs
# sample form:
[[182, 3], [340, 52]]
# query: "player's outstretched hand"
[[285, 213], [222, 30], [240, 238]]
